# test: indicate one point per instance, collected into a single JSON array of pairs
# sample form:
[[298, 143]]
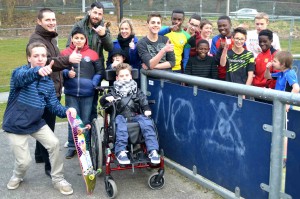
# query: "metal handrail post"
[[278, 121]]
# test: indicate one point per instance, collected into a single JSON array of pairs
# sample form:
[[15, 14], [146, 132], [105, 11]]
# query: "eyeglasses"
[[239, 40]]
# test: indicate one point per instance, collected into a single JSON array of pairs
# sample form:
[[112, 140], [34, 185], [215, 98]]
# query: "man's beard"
[[95, 25]]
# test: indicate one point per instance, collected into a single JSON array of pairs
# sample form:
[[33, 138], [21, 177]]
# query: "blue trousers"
[[83, 106], [146, 128]]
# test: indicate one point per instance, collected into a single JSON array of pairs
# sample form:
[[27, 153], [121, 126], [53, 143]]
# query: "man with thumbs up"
[[31, 91], [45, 32]]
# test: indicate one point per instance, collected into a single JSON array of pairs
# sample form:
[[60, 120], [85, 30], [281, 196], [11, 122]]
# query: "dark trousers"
[[41, 152]]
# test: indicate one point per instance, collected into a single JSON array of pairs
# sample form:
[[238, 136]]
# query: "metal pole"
[[291, 34], [143, 83], [83, 6], [275, 180], [200, 8], [121, 10], [227, 7], [165, 8]]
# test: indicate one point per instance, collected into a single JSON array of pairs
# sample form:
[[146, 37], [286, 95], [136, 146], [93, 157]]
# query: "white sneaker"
[[14, 182], [154, 157], [66, 145], [123, 158], [64, 187]]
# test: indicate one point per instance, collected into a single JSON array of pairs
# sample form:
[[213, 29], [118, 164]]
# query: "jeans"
[[147, 129], [83, 106]]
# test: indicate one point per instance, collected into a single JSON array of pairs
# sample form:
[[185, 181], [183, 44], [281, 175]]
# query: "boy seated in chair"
[[131, 106]]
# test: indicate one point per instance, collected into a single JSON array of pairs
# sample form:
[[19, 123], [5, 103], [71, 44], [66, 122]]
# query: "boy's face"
[[261, 24], [48, 22], [239, 40], [154, 25], [177, 19], [224, 27], [124, 75], [119, 58], [79, 40], [38, 57], [96, 16], [277, 65], [202, 50], [193, 26], [206, 30], [264, 42]]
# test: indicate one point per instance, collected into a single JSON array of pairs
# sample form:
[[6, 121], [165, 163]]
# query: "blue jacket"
[[29, 95], [134, 59]]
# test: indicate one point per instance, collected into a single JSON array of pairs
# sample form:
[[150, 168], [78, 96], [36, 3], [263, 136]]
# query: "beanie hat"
[[78, 30]]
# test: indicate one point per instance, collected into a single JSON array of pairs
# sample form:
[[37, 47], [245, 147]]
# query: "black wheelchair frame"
[[102, 146]]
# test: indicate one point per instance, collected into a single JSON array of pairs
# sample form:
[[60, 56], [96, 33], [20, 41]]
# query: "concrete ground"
[[37, 185]]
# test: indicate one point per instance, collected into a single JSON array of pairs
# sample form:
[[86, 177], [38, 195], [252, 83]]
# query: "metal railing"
[[279, 99]]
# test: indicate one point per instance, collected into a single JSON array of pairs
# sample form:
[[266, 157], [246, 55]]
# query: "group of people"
[[240, 56]]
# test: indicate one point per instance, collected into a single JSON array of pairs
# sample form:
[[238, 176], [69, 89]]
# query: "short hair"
[[195, 16], [224, 17], [202, 41], [240, 30], [97, 5], [262, 15], [123, 66], [267, 33], [204, 22], [129, 22], [177, 10], [153, 14], [41, 12], [284, 57], [34, 45]]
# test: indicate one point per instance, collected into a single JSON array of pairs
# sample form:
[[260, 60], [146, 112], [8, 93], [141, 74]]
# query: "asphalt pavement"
[[37, 185]]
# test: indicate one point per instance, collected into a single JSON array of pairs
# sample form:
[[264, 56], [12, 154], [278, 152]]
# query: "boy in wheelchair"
[[131, 105]]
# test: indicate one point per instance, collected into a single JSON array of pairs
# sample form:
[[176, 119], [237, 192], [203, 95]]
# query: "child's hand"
[[168, 47], [115, 63], [287, 107], [72, 73], [145, 66], [147, 113], [88, 126], [75, 57], [72, 111], [269, 64], [110, 98], [46, 70]]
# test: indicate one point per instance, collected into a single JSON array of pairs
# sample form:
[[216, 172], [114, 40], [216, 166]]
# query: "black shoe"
[[48, 172], [70, 154], [39, 160]]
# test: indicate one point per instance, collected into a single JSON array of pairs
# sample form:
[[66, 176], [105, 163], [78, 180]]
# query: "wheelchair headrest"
[[110, 75]]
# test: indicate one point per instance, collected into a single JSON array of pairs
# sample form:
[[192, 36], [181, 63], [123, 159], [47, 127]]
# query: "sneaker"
[[70, 154], [66, 145], [64, 187], [123, 158], [14, 182], [154, 157]]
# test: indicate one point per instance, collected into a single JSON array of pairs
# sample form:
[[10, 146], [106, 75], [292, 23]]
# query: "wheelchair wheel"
[[96, 145], [156, 185], [111, 188]]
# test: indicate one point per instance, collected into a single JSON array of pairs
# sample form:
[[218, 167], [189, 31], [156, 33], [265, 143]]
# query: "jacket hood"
[[44, 33]]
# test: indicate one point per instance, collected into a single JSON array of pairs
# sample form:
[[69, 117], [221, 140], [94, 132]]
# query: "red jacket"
[[260, 66]]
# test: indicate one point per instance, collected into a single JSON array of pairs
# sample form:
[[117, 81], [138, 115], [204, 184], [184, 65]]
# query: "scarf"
[[124, 42], [125, 88]]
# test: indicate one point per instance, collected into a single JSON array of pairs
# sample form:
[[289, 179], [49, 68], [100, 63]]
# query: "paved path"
[[37, 185]]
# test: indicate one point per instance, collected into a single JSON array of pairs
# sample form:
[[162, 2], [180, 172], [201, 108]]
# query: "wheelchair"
[[103, 140]]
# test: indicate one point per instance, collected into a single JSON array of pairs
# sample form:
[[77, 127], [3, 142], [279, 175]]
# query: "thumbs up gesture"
[[75, 57], [46, 70], [168, 47], [131, 44], [72, 73]]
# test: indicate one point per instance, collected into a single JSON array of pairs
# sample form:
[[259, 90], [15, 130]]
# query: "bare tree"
[[117, 7], [9, 6]]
